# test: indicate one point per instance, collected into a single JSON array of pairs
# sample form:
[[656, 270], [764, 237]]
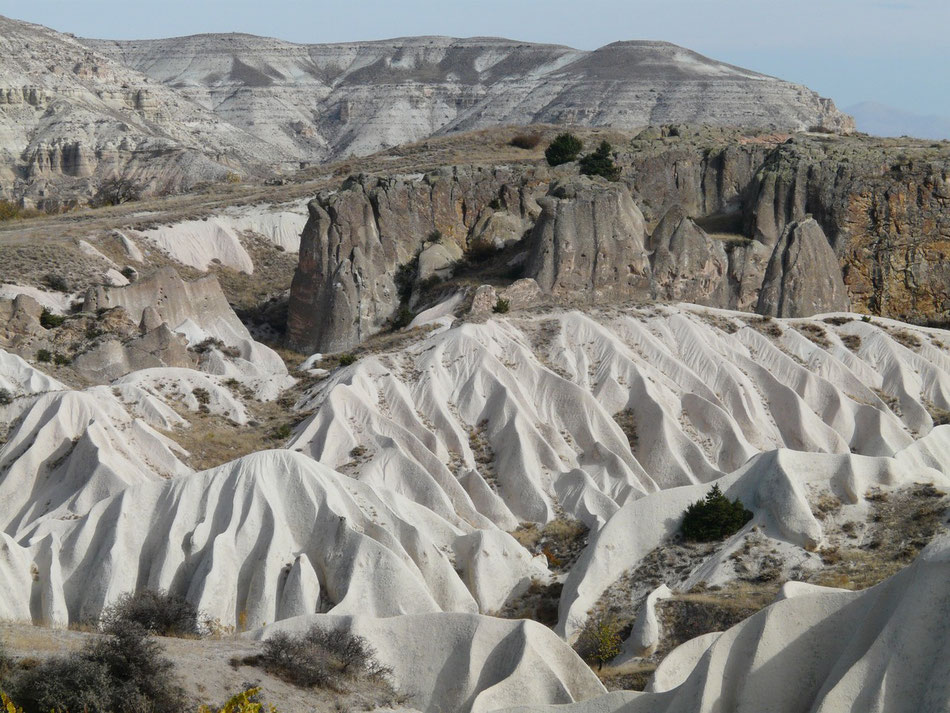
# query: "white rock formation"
[[527, 404], [467, 663]]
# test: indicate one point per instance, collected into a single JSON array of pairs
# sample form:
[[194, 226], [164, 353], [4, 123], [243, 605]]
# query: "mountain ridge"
[[170, 113]]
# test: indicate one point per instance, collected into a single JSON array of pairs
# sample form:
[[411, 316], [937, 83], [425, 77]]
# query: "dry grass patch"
[[851, 341], [724, 324], [560, 541], [816, 333], [766, 325]]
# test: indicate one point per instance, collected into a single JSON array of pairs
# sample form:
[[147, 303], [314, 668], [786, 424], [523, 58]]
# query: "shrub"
[[434, 237], [61, 359], [44, 355], [319, 658], [565, 148], [405, 277], [116, 191], [347, 359], [242, 703], [7, 706], [157, 612], [599, 640], [121, 672], [56, 282], [501, 306], [13, 211], [403, 317], [600, 163], [282, 432], [6, 398], [714, 517], [48, 320], [525, 141]]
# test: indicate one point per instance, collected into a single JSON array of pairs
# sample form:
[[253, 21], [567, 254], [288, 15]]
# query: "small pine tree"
[[600, 163], [565, 148], [714, 517]]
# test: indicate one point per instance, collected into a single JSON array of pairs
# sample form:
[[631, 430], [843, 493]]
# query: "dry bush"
[[319, 659], [525, 141], [599, 639], [124, 671], [837, 321], [157, 612]]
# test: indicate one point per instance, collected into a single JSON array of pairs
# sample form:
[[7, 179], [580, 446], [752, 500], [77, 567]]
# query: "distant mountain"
[[176, 111], [883, 120]]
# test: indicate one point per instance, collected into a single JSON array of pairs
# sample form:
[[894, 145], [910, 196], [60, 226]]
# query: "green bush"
[[56, 282], [600, 163], [405, 278], [61, 359], [44, 355], [403, 317], [501, 306], [565, 148], [282, 432], [6, 398], [123, 671], [157, 612], [49, 320], [714, 517], [347, 359]]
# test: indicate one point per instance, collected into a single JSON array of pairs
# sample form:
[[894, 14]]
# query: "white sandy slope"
[[216, 239], [519, 410], [69, 450], [466, 663], [266, 537], [884, 649]]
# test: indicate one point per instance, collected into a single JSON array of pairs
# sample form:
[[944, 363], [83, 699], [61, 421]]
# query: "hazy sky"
[[891, 51]]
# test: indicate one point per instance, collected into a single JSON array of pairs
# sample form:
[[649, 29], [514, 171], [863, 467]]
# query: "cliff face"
[[885, 207], [787, 226], [357, 239]]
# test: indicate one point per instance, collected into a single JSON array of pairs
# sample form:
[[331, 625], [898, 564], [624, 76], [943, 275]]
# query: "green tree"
[[565, 148], [714, 517], [600, 163]]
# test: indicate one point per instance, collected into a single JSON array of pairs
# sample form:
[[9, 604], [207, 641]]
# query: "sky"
[[887, 51]]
